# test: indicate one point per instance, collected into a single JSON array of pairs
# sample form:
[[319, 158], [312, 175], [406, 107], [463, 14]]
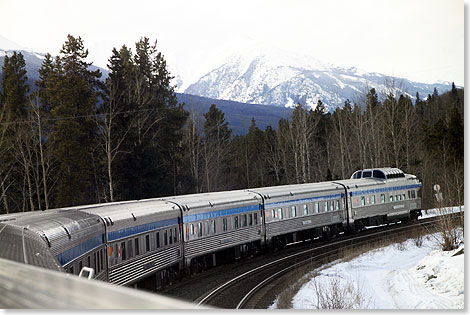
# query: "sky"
[[422, 40]]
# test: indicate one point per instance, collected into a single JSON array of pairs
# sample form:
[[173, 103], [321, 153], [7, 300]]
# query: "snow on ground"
[[435, 212], [399, 276]]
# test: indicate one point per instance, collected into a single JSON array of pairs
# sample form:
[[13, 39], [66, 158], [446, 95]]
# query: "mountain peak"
[[263, 74]]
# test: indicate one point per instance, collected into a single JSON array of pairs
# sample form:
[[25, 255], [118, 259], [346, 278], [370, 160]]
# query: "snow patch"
[[396, 277]]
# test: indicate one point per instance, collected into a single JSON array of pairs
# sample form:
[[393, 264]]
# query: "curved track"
[[258, 287]]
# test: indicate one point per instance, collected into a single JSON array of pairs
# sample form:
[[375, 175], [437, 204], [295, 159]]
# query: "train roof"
[[128, 209], [296, 189], [213, 198]]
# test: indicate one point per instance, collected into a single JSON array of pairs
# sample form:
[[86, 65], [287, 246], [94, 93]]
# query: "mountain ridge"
[[281, 78]]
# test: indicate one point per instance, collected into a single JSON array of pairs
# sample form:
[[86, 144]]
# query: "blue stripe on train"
[[74, 252], [219, 213], [141, 229], [380, 190], [304, 200]]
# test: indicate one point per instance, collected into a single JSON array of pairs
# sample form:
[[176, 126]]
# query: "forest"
[[73, 139]]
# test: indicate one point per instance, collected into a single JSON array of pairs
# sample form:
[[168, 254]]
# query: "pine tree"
[[455, 134], [455, 96], [150, 129], [73, 97], [14, 87], [13, 116]]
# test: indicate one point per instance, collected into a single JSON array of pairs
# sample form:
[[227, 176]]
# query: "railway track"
[[258, 287]]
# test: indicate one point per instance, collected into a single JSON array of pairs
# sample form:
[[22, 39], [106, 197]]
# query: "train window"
[[366, 174], [101, 255], [171, 237], [372, 199], [165, 236], [403, 197], [294, 211], [363, 201], [325, 208], [317, 207], [379, 174], [357, 175], [80, 266], [224, 224], [396, 197], [244, 222], [305, 210], [382, 198], [123, 250], [98, 261], [205, 230], [236, 222], [157, 237], [413, 194], [391, 197], [337, 204], [94, 261], [250, 219], [267, 213], [191, 229], [175, 235], [89, 261], [255, 217], [129, 249], [274, 213], [147, 243], [332, 206], [136, 243], [213, 226], [71, 269], [279, 213]]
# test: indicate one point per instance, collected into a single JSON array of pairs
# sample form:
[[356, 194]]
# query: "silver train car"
[[157, 240], [215, 222]]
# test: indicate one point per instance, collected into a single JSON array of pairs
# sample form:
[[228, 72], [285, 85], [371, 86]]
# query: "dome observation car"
[[382, 173]]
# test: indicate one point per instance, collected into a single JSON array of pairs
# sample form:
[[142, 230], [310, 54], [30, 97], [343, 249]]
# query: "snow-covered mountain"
[[265, 75]]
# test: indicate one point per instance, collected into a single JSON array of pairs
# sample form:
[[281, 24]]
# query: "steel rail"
[[344, 243]]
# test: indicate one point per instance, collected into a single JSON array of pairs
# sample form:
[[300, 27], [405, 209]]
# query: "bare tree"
[[44, 159], [334, 294], [192, 140], [111, 138]]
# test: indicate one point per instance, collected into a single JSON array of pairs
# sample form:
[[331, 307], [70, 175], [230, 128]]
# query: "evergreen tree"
[[455, 96], [73, 97], [150, 129], [13, 117], [15, 88], [455, 134]]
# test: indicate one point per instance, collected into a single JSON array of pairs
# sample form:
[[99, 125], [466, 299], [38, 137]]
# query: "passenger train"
[[162, 238]]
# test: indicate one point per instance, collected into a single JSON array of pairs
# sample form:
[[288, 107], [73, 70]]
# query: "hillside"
[[237, 114]]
